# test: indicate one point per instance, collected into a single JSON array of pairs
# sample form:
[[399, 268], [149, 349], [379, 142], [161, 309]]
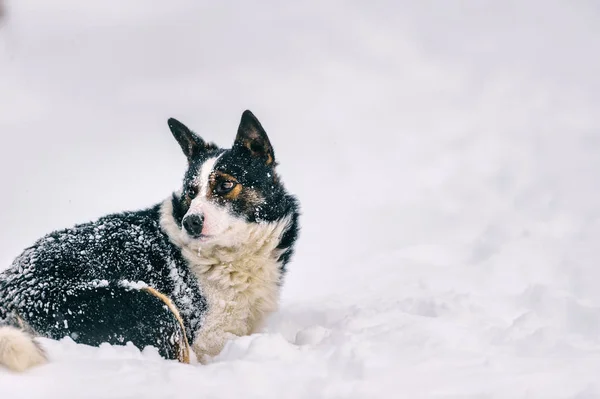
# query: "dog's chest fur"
[[241, 283]]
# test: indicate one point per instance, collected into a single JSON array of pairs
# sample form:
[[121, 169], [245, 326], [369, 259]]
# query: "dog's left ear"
[[253, 137]]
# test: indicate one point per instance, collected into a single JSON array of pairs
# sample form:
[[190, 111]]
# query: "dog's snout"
[[193, 225]]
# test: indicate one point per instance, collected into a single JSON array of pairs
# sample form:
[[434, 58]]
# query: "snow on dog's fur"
[[205, 265]]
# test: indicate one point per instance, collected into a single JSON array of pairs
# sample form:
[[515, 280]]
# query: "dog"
[[186, 275]]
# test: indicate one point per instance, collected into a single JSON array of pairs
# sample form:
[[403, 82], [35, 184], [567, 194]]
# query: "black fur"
[[251, 160], [52, 284], [82, 282], [253, 138], [112, 314]]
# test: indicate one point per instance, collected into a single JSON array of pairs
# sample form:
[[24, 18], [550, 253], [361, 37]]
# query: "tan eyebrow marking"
[[218, 176]]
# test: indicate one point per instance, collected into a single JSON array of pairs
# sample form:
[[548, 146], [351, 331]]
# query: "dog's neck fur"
[[240, 279]]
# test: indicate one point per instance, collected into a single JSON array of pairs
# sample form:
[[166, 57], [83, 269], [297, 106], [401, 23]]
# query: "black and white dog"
[[199, 268]]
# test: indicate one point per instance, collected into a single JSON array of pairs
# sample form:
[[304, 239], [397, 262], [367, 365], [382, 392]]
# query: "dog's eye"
[[225, 187], [192, 191]]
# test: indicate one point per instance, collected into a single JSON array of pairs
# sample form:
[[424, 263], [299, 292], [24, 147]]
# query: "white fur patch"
[[18, 350], [204, 175], [216, 219], [238, 272]]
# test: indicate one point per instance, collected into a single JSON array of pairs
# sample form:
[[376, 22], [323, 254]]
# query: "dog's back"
[[83, 283]]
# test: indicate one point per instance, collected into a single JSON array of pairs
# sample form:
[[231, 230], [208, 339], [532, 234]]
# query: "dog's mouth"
[[202, 237], [205, 237], [198, 237]]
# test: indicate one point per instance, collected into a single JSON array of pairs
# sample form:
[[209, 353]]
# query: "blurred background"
[[445, 154], [456, 136]]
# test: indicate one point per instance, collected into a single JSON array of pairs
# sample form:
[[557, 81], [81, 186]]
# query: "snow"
[[445, 156], [134, 285]]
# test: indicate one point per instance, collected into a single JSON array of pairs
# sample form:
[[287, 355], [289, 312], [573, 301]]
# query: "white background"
[[446, 155]]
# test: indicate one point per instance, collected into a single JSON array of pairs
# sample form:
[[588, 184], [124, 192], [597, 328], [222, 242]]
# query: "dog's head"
[[225, 190]]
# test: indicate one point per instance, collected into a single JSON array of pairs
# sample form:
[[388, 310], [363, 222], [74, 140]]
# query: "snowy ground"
[[446, 154]]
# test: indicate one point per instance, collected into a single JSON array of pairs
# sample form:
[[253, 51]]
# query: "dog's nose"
[[193, 225]]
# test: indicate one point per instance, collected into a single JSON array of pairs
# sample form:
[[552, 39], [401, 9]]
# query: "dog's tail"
[[18, 350]]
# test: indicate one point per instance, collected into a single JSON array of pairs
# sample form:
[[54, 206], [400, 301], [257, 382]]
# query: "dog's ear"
[[191, 144], [253, 137]]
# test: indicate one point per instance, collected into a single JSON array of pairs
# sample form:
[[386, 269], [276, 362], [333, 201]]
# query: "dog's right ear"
[[191, 144]]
